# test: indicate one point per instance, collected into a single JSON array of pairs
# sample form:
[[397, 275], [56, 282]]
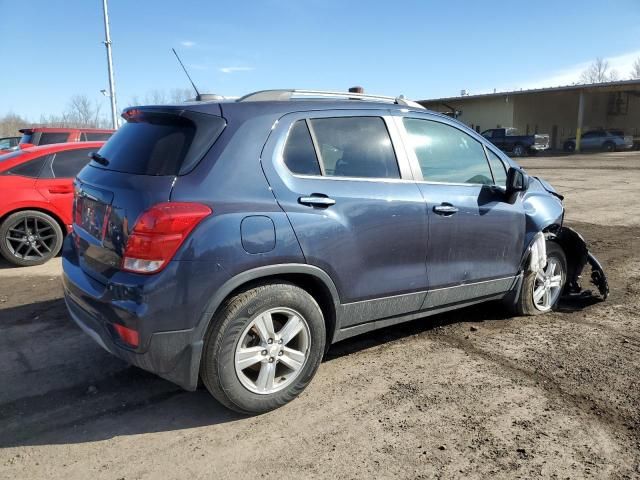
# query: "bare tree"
[[179, 95], [11, 123], [599, 71], [80, 111], [156, 97], [635, 70], [163, 97]]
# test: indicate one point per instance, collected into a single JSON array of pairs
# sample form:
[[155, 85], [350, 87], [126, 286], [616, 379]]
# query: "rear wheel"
[[519, 150], [264, 347], [609, 147], [569, 147], [541, 290], [30, 238]]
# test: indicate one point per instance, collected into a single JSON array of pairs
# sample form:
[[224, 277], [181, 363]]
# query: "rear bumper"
[[174, 355]]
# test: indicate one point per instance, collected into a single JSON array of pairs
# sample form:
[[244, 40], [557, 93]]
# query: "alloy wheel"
[[548, 285], [30, 238], [272, 350]]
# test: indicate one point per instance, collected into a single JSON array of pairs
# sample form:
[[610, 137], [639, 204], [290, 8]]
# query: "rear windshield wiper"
[[99, 158]]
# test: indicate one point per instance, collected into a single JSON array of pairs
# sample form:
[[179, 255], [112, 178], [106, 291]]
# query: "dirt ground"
[[469, 394]]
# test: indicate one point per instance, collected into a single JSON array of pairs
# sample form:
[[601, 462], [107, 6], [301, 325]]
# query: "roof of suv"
[[291, 100]]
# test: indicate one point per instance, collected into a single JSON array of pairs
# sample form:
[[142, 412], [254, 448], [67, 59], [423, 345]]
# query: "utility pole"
[[112, 86], [580, 120]]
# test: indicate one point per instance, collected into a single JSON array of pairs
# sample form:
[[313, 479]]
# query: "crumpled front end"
[[578, 256]]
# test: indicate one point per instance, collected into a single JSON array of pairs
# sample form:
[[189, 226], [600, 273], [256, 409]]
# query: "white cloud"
[[188, 43], [235, 69], [570, 75], [622, 64]]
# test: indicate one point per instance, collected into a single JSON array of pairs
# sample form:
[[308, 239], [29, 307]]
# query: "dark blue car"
[[234, 242]]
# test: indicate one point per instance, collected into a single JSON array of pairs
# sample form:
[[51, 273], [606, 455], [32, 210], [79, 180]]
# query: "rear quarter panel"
[[20, 193]]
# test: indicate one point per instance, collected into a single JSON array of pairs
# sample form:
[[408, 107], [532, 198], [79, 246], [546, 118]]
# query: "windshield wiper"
[[99, 158]]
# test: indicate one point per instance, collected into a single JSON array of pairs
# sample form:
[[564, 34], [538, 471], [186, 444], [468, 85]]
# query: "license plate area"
[[92, 212]]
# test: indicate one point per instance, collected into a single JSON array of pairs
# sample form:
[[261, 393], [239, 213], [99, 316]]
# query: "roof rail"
[[295, 94]]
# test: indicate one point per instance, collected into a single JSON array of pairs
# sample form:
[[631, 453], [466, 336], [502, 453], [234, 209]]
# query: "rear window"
[[94, 137], [161, 143], [48, 138]]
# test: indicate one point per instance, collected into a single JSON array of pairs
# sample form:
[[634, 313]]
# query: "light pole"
[[112, 86]]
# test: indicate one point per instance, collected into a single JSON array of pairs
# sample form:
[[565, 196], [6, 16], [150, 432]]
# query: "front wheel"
[[30, 238], [609, 147], [264, 347], [541, 290], [569, 147]]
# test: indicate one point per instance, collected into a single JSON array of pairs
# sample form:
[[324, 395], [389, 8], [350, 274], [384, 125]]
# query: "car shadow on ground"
[[73, 392]]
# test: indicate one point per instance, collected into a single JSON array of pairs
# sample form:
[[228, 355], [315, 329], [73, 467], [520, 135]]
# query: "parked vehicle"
[[604, 140], [47, 135], [508, 140], [37, 197], [234, 242], [8, 144]]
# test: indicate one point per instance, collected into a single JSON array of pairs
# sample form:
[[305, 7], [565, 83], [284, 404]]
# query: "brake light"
[[127, 335], [158, 234]]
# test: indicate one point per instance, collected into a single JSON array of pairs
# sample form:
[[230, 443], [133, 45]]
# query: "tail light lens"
[[158, 234]]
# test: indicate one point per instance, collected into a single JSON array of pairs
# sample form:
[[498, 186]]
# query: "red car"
[[37, 136], [37, 197]]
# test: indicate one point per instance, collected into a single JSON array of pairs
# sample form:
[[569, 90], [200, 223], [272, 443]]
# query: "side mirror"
[[517, 180]]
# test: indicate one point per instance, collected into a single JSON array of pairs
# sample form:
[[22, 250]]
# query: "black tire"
[[30, 238], [609, 147], [519, 150], [569, 147], [229, 326], [525, 305]]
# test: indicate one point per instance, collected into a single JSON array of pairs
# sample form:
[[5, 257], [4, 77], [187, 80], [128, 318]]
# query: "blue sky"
[[51, 49]]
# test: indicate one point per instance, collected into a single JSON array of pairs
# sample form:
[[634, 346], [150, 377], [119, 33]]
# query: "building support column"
[[580, 118]]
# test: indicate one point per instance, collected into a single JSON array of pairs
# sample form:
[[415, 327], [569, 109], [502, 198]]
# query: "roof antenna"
[[198, 96]]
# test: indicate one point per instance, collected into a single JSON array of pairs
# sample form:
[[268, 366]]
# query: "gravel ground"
[[469, 394]]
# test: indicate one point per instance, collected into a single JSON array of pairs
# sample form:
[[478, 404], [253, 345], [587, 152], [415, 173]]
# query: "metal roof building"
[[559, 111]]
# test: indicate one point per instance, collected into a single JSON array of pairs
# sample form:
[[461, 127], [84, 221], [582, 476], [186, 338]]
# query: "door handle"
[[317, 201], [60, 189], [445, 209]]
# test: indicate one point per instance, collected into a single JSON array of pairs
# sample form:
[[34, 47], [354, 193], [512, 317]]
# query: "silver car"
[[605, 140]]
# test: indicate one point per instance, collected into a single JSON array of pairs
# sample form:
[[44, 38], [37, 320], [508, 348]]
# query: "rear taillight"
[[158, 234]]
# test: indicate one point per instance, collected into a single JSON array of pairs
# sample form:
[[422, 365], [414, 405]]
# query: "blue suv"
[[233, 242]]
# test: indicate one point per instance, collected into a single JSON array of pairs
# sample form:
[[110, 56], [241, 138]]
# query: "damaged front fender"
[[578, 256]]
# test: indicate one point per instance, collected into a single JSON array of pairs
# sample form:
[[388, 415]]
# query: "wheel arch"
[[313, 280], [46, 211]]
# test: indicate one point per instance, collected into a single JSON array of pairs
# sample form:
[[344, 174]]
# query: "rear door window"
[[299, 154], [48, 138], [357, 147], [447, 154], [68, 164], [160, 143], [30, 169]]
